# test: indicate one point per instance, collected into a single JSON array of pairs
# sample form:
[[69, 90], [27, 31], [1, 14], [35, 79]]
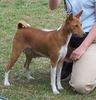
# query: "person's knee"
[[82, 88]]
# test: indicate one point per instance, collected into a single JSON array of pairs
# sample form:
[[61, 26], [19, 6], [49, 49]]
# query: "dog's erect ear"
[[70, 17], [79, 14]]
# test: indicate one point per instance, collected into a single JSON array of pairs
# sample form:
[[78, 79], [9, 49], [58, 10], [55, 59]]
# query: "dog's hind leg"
[[17, 49], [27, 72]]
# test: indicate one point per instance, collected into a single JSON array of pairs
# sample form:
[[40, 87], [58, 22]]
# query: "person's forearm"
[[53, 4], [90, 38]]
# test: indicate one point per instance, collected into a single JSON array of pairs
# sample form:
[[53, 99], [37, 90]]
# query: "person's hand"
[[77, 53]]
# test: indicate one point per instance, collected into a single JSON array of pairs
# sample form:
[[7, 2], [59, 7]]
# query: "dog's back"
[[37, 39]]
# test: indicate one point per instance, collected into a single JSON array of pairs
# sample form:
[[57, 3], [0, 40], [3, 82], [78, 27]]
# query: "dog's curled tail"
[[23, 24]]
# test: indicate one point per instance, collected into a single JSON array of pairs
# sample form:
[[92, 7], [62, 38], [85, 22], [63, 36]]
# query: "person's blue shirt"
[[88, 18]]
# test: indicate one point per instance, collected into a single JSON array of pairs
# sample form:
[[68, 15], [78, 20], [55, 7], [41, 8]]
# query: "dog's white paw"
[[56, 92], [6, 83], [60, 87], [27, 74], [30, 77]]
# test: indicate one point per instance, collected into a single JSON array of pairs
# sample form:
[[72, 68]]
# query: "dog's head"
[[74, 25]]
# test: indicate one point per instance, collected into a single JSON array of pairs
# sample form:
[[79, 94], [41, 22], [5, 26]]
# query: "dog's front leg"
[[59, 69], [53, 79]]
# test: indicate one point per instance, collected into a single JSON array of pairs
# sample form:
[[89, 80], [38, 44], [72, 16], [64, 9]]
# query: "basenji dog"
[[40, 43]]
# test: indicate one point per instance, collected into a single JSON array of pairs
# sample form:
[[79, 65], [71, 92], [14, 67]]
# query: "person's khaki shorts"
[[83, 77]]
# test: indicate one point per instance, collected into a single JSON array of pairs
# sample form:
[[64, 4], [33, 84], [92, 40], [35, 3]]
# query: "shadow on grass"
[[40, 83]]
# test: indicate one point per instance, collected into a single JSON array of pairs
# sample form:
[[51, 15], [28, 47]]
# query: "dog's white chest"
[[62, 52]]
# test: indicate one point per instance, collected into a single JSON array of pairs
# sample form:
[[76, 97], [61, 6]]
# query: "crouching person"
[[83, 68]]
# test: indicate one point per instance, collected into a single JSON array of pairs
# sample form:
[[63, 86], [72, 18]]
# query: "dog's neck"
[[65, 30], [64, 33]]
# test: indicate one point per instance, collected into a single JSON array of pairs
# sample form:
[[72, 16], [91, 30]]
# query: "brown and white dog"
[[52, 44]]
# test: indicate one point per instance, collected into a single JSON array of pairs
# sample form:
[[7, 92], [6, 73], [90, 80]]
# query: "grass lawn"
[[37, 13]]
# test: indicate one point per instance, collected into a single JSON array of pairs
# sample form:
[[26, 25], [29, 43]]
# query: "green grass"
[[37, 13]]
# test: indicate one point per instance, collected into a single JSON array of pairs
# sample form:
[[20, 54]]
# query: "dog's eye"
[[76, 25]]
